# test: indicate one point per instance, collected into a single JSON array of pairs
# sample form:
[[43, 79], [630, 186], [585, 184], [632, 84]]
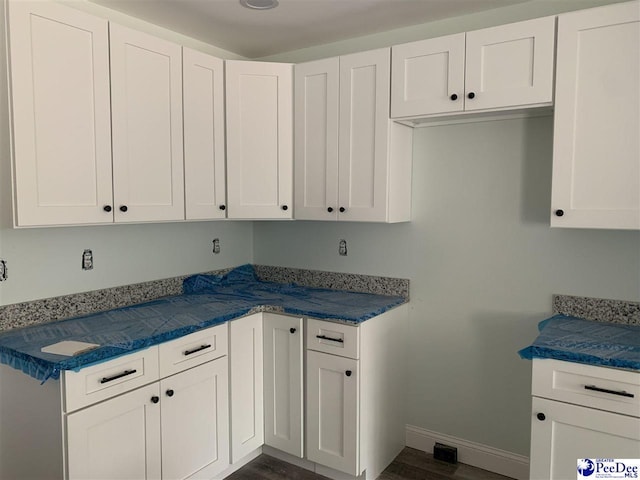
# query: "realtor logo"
[[586, 467], [608, 468]]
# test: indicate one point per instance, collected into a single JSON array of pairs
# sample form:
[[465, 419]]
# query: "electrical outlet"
[[342, 248], [87, 260], [216, 246], [3, 271]]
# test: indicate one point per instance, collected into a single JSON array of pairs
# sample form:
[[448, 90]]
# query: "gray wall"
[[483, 265]]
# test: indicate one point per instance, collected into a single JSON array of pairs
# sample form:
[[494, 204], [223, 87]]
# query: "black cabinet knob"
[[123, 208], [541, 417], [107, 208], [454, 97], [471, 95], [559, 213], [330, 209], [348, 373], [292, 330], [285, 208], [342, 209], [222, 207], [170, 393], [155, 399]]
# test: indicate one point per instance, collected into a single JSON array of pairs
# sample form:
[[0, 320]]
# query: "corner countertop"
[[207, 301], [573, 339]]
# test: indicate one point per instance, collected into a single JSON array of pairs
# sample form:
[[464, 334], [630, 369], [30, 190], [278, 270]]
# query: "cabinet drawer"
[[105, 380], [596, 387], [333, 338], [192, 350]]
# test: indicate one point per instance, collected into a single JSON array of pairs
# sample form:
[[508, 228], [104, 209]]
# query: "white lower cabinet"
[[117, 439], [246, 384], [283, 383], [159, 413], [581, 412], [333, 411], [195, 422]]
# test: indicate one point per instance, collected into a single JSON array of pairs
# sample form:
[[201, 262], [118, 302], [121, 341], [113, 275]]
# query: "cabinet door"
[[59, 62], [333, 422], [246, 380], [510, 65], [195, 421], [316, 139], [146, 104], [118, 439], [364, 136], [283, 383], [427, 77], [204, 151], [569, 432], [259, 139], [596, 149]]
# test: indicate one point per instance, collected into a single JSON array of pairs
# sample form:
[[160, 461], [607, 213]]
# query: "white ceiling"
[[294, 24]]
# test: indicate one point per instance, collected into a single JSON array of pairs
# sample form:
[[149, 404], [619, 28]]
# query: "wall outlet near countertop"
[[342, 248]]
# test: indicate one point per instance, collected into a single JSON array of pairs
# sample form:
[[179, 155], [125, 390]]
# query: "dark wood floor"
[[411, 464]]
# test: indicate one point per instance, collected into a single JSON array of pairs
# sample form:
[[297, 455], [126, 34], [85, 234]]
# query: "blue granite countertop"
[[563, 337], [207, 301]]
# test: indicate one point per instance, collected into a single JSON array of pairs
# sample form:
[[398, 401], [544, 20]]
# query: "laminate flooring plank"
[[410, 464]]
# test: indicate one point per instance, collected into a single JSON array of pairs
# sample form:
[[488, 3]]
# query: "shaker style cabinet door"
[[246, 384], [427, 77], [204, 150], [283, 385], [59, 72], [364, 136], [118, 439], [333, 413], [596, 148], [146, 103], [510, 65], [316, 139], [259, 98], [195, 427], [561, 433]]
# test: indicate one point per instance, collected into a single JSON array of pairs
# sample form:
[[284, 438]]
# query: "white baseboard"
[[475, 454]]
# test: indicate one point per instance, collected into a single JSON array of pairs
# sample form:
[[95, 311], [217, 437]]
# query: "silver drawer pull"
[[621, 393], [324, 337], [197, 349], [120, 375]]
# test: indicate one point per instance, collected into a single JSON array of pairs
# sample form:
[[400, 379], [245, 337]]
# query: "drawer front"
[[333, 338], [603, 388], [108, 379], [193, 350]]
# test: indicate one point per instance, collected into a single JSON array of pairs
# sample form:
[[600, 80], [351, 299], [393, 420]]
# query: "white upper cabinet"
[[596, 151], [61, 115], [504, 67], [146, 103], [316, 139], [259, 140], [428, 76], [204, 148], [352, 162]]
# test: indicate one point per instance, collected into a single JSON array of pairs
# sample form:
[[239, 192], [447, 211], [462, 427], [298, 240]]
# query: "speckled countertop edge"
[[598, 309], [351, 282], [67, 306]]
